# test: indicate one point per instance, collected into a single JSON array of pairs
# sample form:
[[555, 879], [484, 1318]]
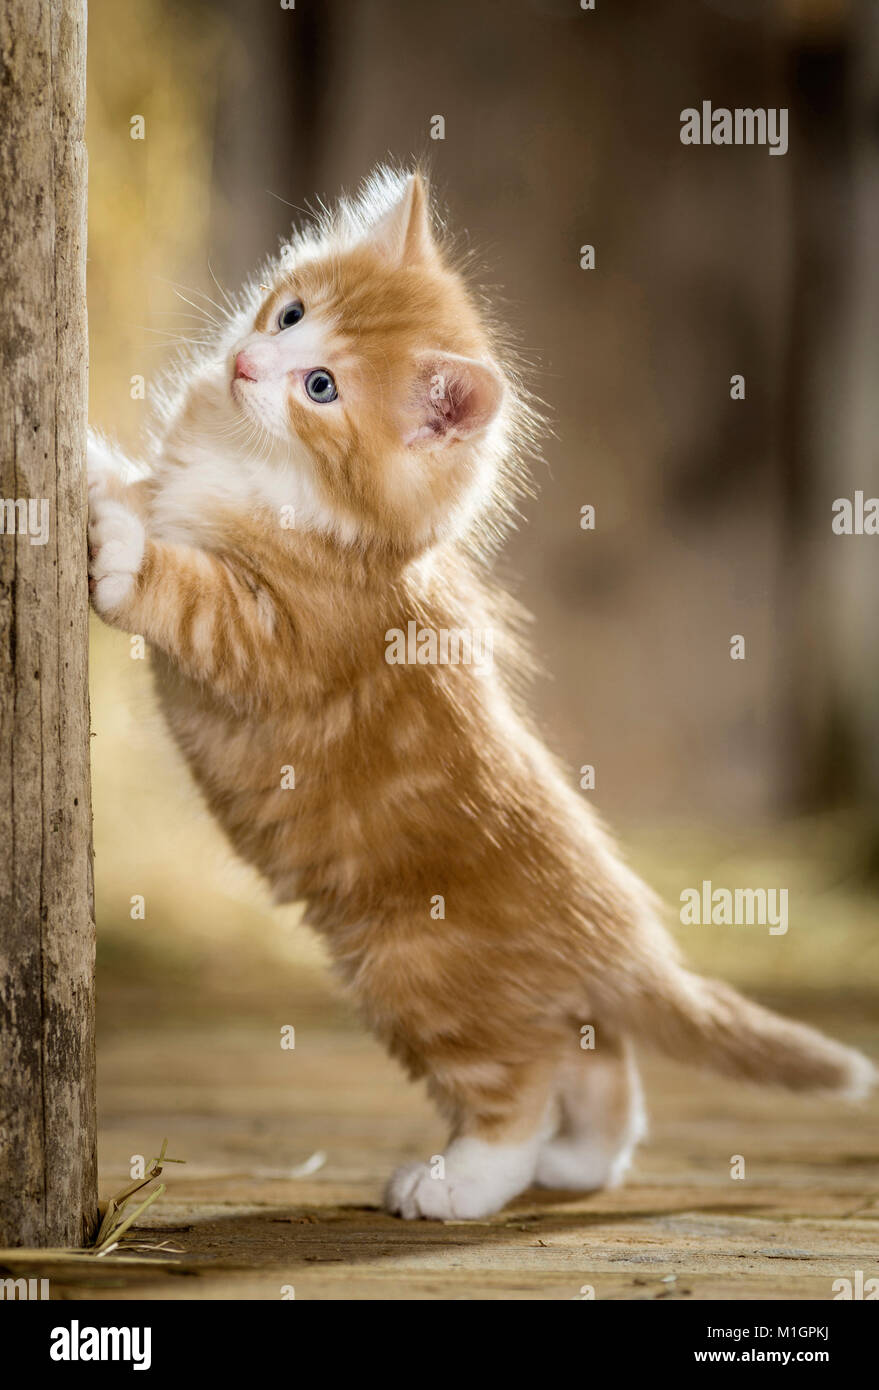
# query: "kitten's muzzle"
[[244, 368]]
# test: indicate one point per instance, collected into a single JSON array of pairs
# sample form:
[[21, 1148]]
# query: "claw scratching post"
[[47, 1081]]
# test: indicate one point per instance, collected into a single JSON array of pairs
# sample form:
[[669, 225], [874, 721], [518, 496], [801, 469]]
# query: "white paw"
[[116, 545], [415, 1192], [578, 1166], [106, 459], [471, 1181], [584, 1162], [103, 463]]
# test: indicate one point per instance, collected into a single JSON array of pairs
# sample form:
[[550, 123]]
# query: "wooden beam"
[[47, 1079]]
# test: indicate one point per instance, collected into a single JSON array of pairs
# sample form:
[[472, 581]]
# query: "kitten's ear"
[[403, 234], [454, 398]]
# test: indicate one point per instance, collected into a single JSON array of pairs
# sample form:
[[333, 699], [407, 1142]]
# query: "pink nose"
[[244, 367]]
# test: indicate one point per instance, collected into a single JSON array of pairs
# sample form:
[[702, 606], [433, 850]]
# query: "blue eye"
[[320, 386], [290, 314]]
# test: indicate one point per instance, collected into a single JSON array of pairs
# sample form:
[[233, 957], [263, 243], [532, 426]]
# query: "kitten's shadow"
[[316, 1234]]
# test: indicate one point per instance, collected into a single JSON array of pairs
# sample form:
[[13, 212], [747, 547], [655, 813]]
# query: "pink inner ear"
[[463, 396], [451, 405]]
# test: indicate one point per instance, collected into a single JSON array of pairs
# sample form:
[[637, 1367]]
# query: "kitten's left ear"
[[454, 398], [403, 233]]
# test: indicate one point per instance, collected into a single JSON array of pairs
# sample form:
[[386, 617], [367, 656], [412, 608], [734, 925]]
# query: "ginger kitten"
[[306, 556]]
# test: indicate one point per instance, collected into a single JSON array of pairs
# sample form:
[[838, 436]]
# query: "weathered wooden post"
[[47, 1078]]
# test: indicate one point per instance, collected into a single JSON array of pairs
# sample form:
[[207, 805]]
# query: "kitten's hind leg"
[[492, 1155], [602, 1119]]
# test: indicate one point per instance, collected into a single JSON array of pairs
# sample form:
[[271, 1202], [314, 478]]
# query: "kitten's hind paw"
[[470, 1181], [414, 1192], [567, 1165]]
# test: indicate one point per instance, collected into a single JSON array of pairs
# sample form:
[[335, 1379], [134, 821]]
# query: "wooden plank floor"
[[243, 1113]]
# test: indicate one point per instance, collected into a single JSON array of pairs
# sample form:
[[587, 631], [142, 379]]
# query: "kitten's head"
[[368, 366]]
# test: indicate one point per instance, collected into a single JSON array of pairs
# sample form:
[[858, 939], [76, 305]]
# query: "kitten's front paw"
[[104, 473], [116, 546]]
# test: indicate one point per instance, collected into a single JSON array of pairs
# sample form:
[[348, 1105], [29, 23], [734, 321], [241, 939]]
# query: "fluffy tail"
[[705, 1021]]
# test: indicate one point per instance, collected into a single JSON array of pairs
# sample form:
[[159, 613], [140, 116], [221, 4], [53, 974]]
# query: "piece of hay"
[[115, 1224]]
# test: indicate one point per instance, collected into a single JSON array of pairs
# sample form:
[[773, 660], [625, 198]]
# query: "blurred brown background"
[[713, 515], [713, 519]]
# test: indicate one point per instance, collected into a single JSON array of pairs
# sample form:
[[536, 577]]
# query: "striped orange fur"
[[470, 899]]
